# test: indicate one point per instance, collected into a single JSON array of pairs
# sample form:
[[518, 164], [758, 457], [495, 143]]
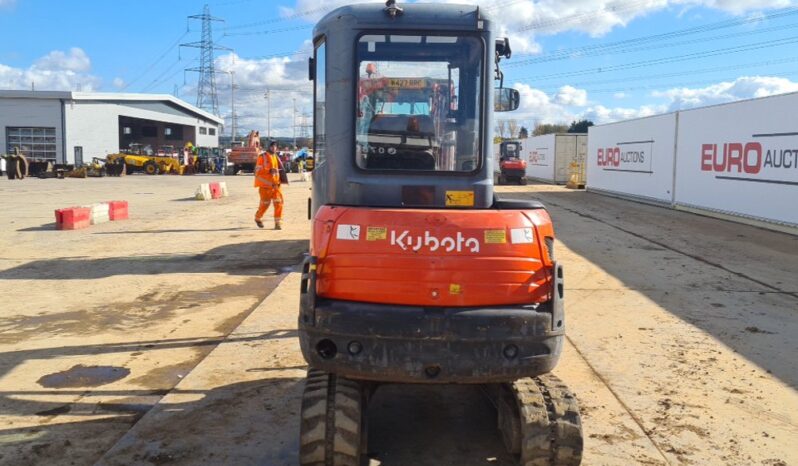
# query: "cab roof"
[[415, 16]]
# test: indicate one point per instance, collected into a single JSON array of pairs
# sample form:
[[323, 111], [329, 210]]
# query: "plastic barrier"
[[99, 213], [203, 192], [73, 218], [223, 185], [117, 210], [216, 190]]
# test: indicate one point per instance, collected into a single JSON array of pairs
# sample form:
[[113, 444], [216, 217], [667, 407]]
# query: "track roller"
[[539, 421], [332, 431]]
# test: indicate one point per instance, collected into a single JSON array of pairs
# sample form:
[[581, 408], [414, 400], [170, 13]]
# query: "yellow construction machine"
[[136, 160]]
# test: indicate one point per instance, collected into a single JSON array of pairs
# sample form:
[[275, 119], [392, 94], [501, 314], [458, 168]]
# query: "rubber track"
[[330, 429], [550, 423]]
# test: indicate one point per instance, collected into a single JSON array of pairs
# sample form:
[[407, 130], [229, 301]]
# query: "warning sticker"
[[376, 233], [522, 236], [495, 236], [459, 198], [454, 288], [348, 232]]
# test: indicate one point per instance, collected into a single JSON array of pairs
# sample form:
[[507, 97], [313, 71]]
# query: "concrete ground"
[[170, 338]]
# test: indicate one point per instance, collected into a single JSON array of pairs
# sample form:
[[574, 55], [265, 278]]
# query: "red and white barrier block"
[[99, 213], [117, 210], [208, 191], [75, 218], [72, 218]]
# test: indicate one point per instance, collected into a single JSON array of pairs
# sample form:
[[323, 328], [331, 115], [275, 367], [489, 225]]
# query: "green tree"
[[548, 128], [523, 133], [580, 126]]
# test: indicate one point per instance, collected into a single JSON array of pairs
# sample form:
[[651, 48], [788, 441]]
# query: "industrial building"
[[73, 127]]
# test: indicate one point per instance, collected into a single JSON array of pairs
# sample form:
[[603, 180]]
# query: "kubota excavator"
[[417, 271], [512, 169]]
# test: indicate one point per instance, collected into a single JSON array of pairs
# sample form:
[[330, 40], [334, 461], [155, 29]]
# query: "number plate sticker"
[[459, 198]]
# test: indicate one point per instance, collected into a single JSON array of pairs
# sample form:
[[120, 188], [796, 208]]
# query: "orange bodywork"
[[420, 257]]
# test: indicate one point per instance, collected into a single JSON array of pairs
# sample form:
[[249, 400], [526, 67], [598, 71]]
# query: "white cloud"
[[286, 79], [570, 104], [58, 70], [7, 3], [745, 87], [75, 60], [569, 95], [523, 20], [119, 83], [600, 114], [619, 95]]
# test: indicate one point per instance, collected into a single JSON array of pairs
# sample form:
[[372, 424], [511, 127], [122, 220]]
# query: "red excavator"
[[244, 157], [512, 167], [417, 272]]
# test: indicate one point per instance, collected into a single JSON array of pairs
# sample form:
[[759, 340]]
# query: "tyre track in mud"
[[774, 289]]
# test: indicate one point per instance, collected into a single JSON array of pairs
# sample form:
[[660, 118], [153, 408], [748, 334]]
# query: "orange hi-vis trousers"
[[267, 196]]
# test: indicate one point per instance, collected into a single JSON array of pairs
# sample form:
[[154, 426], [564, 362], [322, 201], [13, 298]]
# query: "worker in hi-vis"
[[267, 180]]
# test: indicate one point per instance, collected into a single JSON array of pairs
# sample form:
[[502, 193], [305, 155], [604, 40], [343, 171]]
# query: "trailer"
[[556, 158]]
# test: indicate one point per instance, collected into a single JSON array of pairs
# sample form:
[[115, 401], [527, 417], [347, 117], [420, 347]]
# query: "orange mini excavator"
[[417, 272]]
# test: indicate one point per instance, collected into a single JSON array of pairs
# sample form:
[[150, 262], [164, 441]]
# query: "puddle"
[[84, 376]]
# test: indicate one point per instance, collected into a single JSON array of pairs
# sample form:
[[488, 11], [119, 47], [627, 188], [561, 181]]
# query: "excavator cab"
[[417, 271]]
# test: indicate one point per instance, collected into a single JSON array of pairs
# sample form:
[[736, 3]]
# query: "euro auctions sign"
[[766, 158], [740, 159], [627, 156]]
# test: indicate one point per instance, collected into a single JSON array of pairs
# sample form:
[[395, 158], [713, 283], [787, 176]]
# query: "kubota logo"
[[449, 244]]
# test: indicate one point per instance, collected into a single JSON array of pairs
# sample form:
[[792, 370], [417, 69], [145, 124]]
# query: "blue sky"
[[570, 59]]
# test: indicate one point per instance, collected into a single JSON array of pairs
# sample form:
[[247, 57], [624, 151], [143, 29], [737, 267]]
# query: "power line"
[[590, 50], [704, 82], [668, 44], [160, 79], [587, 84], [577, 18], [277, 55], [157, 60], [271, 31], [665, 60], [295, 15]]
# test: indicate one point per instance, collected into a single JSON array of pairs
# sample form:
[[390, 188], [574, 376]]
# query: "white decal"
[[348, 232], [405, 241], [522, 236]]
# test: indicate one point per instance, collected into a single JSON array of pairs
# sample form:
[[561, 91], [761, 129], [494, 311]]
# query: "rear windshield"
[[419, 102]]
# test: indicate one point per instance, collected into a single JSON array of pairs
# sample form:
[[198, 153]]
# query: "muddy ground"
[[149, 341]]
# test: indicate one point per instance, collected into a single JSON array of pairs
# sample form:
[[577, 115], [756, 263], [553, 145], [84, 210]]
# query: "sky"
[[602, 60]]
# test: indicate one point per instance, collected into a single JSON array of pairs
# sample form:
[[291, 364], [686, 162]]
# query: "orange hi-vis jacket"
[[267, 171]]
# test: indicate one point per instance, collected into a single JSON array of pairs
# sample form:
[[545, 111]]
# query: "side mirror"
[[506, 99], [503, 48]]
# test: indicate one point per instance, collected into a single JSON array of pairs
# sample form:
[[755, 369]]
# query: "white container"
[[634, 158], [203, 192], [553, 157], [740, 159]]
